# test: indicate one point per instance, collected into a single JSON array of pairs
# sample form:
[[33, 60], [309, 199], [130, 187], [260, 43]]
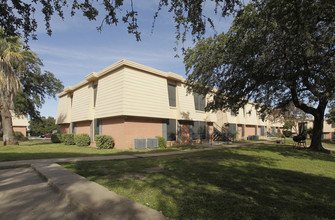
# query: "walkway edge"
[[91, 198]]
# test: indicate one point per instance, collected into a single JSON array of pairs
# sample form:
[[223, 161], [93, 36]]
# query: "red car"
[[46, 136]]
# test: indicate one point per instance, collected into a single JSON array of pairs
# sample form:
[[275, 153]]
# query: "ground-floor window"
[[97, 127], [262, 131], [169, 129], [198, 130], [73, 128]]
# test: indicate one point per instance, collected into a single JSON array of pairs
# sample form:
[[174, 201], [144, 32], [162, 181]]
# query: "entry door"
[[185, 132]]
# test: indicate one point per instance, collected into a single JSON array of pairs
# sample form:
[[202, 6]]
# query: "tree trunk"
[[316, 144], [7, 125]]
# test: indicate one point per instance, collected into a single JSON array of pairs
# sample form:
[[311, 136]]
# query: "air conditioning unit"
[[152, 143], [140, 143]]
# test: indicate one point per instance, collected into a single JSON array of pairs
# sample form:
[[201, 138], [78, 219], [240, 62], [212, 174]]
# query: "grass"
[[45, 149], [264, 181]]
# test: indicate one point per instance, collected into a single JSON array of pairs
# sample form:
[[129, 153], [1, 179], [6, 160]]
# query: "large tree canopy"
[[276, 52], [18, 16]]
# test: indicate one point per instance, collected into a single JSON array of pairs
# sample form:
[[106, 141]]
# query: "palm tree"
[[13, 59]]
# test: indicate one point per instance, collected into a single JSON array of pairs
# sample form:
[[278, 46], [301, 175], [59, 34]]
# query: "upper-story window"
[[95, 90], [199, 102], [172, 94], [232, 113]]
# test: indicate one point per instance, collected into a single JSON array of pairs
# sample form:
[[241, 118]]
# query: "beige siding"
[[82, 104], [64, 110], [19, 120], [187, 111], [145, 95], [110, 95]]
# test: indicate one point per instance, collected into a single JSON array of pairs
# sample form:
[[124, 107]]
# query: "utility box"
[[253, 137], [140, 143], [152, 143]]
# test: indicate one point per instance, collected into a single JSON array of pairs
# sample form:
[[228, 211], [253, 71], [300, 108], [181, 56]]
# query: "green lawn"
[[45, 149], [257, 182]]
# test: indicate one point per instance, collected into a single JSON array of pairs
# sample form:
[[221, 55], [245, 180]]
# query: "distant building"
[[20, 123], [247, 123]]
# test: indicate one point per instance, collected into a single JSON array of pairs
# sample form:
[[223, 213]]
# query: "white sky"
[[76, 48]]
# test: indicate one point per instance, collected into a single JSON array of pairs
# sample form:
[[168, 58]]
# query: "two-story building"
[[128, 100], [20, 123], [247, 122]]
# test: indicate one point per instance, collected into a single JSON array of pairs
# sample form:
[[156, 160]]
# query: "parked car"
[[46, 136]]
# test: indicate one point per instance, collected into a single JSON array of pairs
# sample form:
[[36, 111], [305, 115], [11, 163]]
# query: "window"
[[172, 95], [333, 125], [169, 129], [95, 90], [97, 127], [73, 128], [199, 102], [231, 128], [232, 113], [262, 131], [198, 131], [243, 130]]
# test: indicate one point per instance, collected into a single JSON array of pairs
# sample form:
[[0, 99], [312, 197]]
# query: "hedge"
[[104, 141], [82, 139], [68, 139], [56, 138], [161, 142]]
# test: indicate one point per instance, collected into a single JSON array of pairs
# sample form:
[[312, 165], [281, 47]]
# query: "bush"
[[18, 134], [161, 142], [104, 141], [68, 139], [287, 133], [82, 139], [56, 138]]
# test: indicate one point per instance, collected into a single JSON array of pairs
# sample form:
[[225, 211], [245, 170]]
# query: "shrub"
[[287, 133], [82, 139], [18, 134], [104, 141], [68, 139], [56, 138], [161, 142]]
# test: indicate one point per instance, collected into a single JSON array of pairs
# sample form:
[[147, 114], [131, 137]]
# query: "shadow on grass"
[[289, 151], [217, 185]]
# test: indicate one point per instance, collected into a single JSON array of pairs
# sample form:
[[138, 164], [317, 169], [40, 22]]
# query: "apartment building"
[[328, 129], [20, 123], [128, 100], [248, 123]]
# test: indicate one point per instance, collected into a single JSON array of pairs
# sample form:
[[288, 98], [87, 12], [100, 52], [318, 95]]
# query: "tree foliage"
[[22, 85], [331, 115], [36, 86], [42, 125], [18, 16], [277, 52], [13, 61]]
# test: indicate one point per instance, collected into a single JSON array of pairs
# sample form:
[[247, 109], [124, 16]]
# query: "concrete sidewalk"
[[25, 195]]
